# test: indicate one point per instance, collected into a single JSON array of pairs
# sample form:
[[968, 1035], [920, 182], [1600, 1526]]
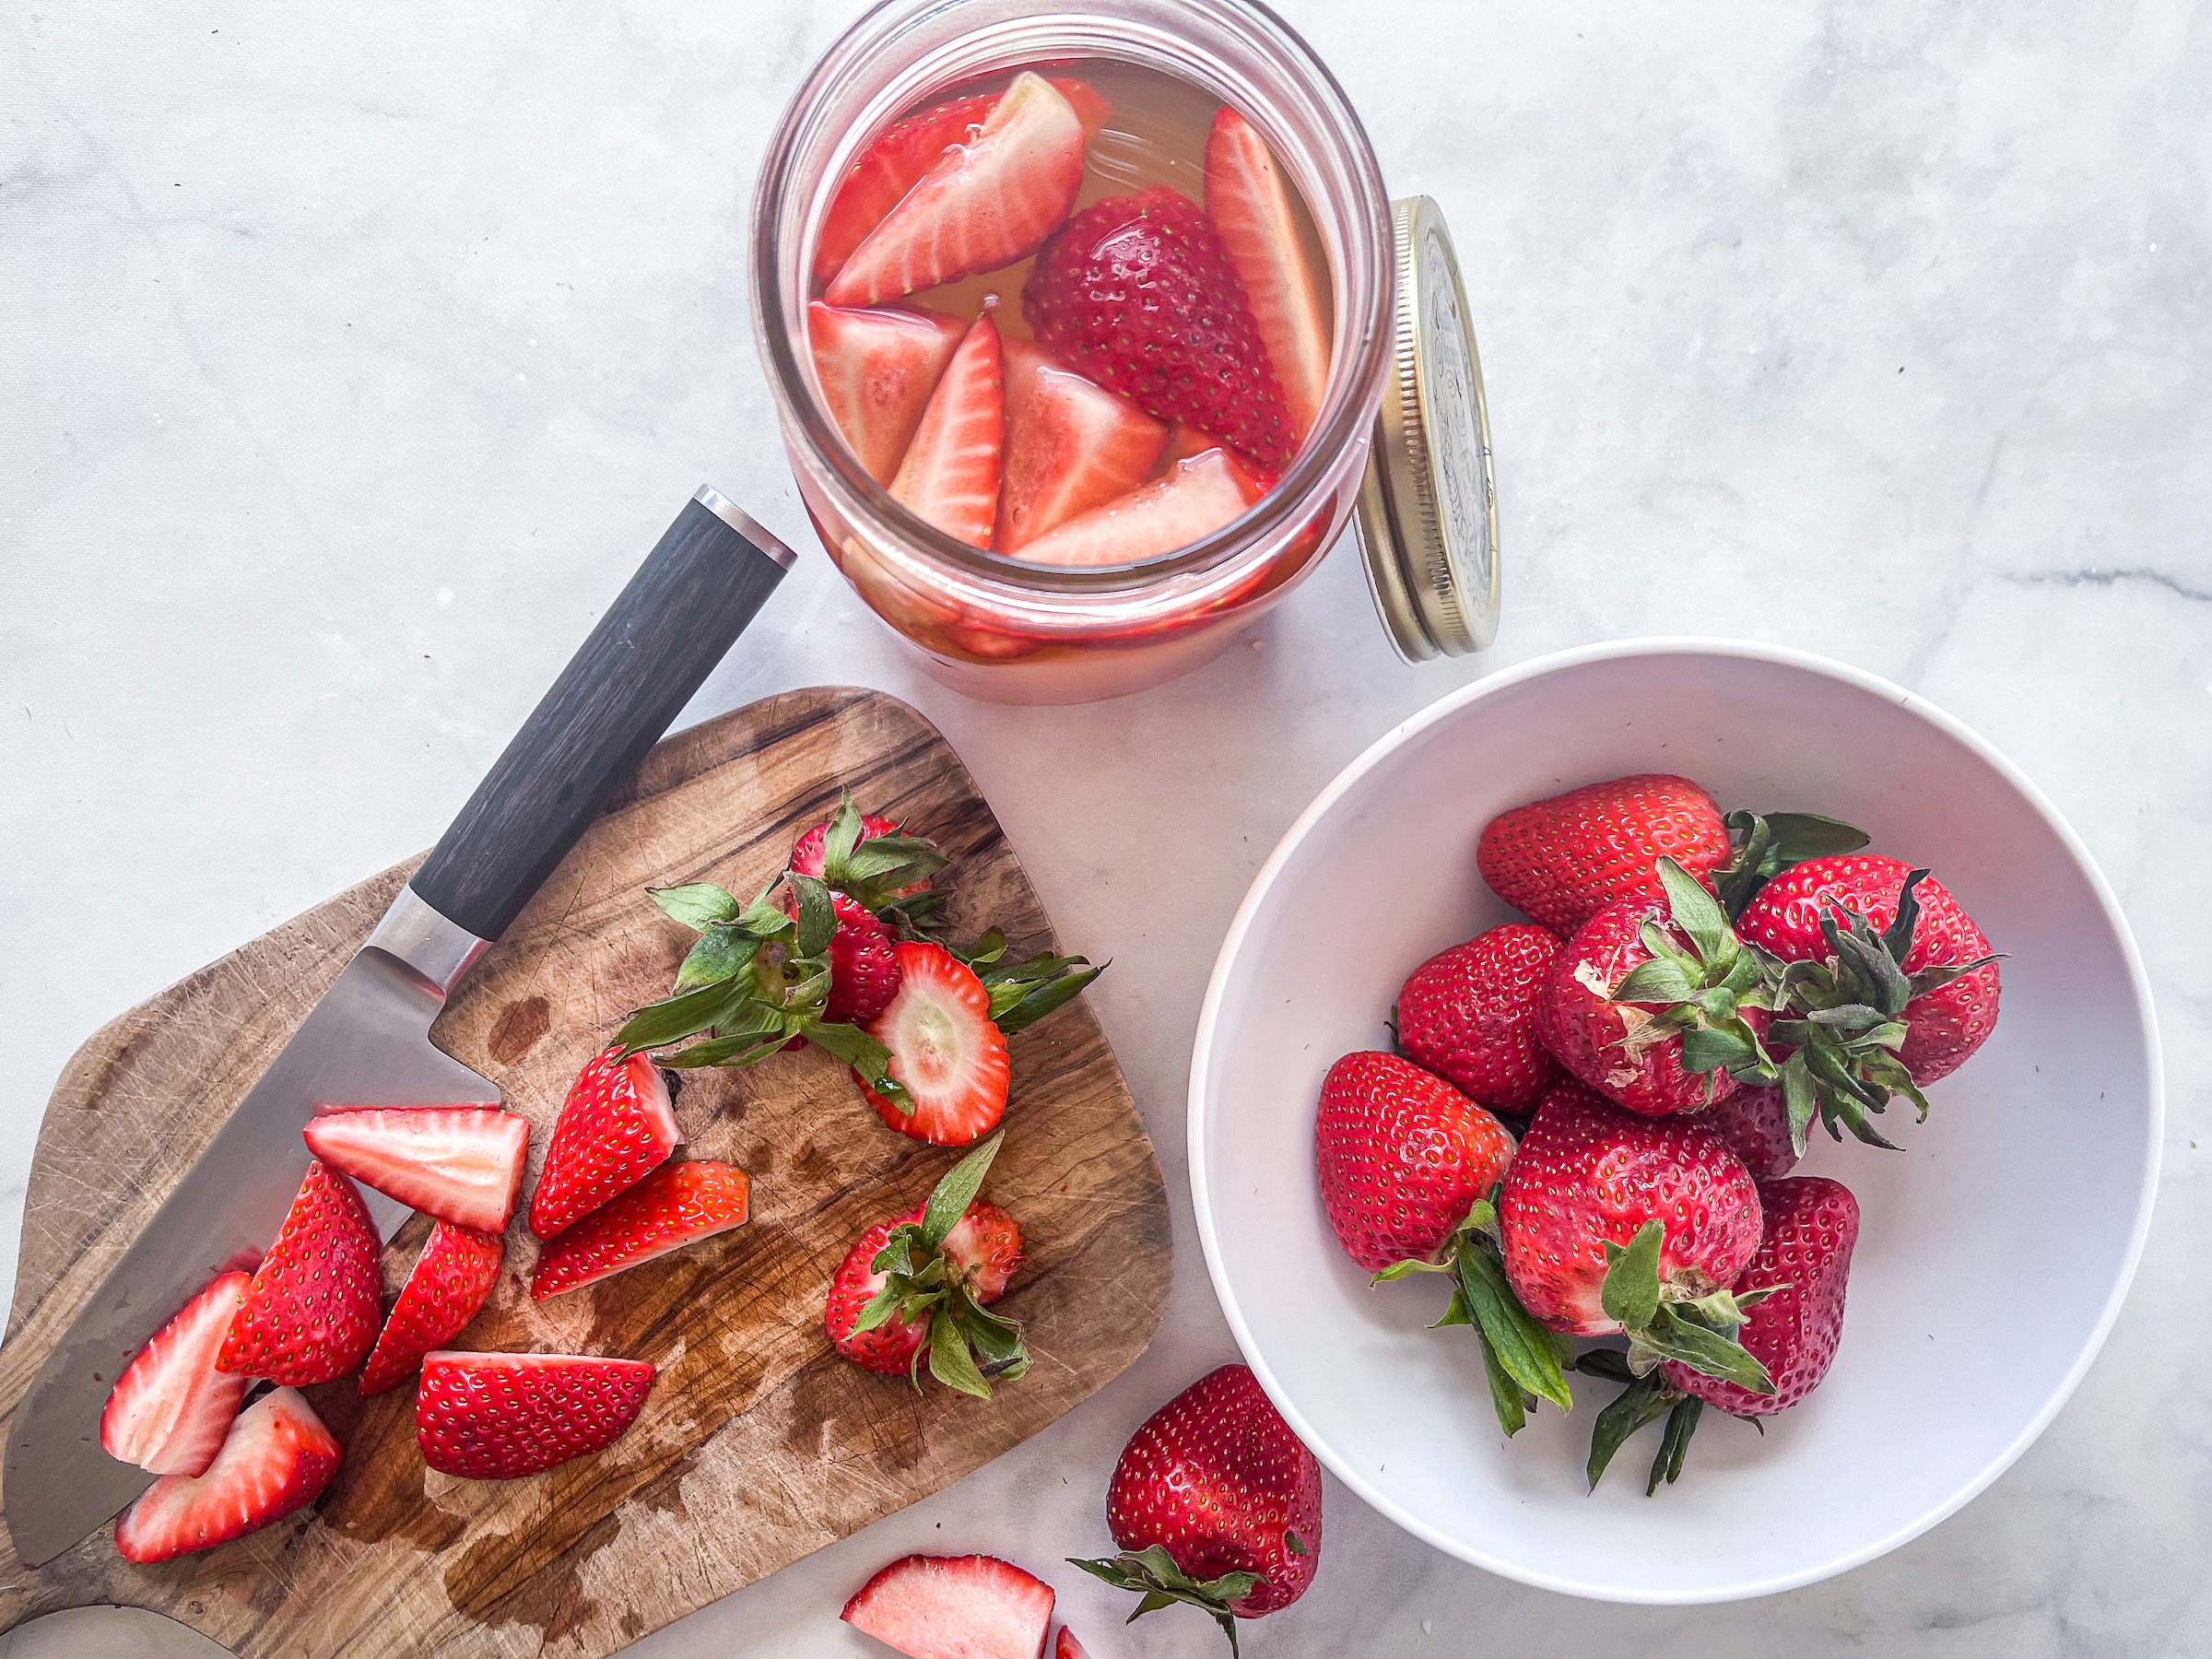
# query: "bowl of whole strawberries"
[[1674, 1120]]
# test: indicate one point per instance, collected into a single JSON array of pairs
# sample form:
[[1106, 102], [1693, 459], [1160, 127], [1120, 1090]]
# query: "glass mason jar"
[[999, 626]]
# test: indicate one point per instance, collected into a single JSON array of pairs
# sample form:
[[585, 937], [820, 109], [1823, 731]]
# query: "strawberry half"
[[614, 1130], [499, 1416], [950, 478], [276, 1458], [1138, 294], [170, 1409], [312, 1311], [1071, 445], [1563, 859], [1215, 1503], [980, 206], [1065, 1647], [972, 1606], [921, 1281], [877, 369], [946, 1052], [448, 1283], [894, 164], [679, 1204], [1250, 206], [462, 1164], [1197, 497]]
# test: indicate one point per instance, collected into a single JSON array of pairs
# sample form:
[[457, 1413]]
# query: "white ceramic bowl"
[[1994, 1249]]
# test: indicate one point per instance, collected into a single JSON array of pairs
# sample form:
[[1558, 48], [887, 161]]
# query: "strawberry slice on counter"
[[678, 1205], [1065, 1647], [462, 1164], [313, 1306], [498, 1417], [1071, 445], [877, 369], [1197, 497], [449, 1282], [946, 1050], [894, 164], [171, 1408], [614, 1129], [1137, 293], [276, 1458], [972, 1606], [980, 206], [950, 478], [1250, 206]]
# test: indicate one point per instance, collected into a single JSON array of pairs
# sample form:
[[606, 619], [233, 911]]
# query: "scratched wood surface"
[[758, 1445]]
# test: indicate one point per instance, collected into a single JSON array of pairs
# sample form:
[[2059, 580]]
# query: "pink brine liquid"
[[1075, 315]]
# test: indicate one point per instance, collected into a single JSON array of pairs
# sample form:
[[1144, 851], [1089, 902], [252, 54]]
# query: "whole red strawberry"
[[1655, 1003], [1945, 1022], [1563, 859], [1755, 1124], [1215, 1502], [1469, 1015], [1803, 1263], [1614, 1223], [919, 1283], [1136, 292], [1403, 1157]]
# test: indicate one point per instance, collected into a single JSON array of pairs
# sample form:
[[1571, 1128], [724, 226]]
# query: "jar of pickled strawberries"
[[1079, 321]]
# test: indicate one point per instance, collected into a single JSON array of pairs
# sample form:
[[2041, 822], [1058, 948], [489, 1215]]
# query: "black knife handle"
[[707, 579]]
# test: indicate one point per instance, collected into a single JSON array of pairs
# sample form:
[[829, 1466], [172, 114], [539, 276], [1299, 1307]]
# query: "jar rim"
[[1348, 408]]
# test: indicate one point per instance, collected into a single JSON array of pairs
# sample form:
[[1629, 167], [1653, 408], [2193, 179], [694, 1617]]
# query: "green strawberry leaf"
[[951, 1363], [1657, 980], [952, 1196], [1523, 1347], [817, 916], [1673, 1442], [1154, 1572], [720, 953], [1673, 1335], [1507, 1397], [1698, 913], [1645, 1400], [843, 834], [1630, 1291], [676, 1018], [697, 906]]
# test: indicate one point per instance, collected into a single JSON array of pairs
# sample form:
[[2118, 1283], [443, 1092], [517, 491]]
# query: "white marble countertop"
[[352, 356]]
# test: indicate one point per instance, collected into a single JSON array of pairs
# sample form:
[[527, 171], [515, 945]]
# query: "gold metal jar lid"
[[1428, 505]]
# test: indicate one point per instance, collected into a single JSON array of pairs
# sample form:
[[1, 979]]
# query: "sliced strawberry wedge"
[[451, 1278], [614, 1130], [950, 475], [678, 1205], [462, 1164], [1246, 199], [1197, 497], [877, 369], [498, 1417], [946, 1050], [973, 1607], [894, 164], [311, 1312], [980, 206], [170, 1409], [1065, 1647], [1071, 445], [276, 1458]]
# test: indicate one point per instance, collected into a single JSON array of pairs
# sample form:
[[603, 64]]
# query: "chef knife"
[[366, 1043]]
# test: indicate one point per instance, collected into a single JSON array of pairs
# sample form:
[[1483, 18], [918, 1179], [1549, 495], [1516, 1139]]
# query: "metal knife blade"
[[109, 1632], [366, 1043]]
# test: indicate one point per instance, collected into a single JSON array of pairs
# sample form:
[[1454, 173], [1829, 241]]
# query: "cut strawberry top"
[[1071, 445], [1250, 206], [950, 478], [877, 369], [980, 205], [972, 1606], [1197, 497], [463, 1164], [946, 1050], [171, 1408]]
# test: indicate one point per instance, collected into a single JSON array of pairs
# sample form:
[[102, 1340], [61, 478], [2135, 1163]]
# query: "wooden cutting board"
[[758, 1444]]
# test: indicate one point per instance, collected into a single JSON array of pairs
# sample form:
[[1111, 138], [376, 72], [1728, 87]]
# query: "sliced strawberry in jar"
[[945, 1050], [1197, 498], [679, 1204], [1071, 445], [1247, 200], [170, 1409], [276, 1458], [462, 1164], [894, 164], [877, 369], [971, 1607], [980, 206], [447, 1284], [950, 478]]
